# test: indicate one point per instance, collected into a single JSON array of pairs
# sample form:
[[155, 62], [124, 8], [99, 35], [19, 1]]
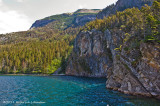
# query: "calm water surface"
[[63, 91]]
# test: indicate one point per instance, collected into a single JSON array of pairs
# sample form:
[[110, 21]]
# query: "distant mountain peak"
[[88, 10]]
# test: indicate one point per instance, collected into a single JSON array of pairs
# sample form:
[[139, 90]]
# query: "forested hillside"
[[36, 51]]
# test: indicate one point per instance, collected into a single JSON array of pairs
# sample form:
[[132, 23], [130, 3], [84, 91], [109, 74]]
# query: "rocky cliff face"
[[90, 56], [82, 20], [41, 23], [135, 69]]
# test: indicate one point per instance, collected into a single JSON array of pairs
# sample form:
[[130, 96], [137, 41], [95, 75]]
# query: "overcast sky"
[[18, 15]]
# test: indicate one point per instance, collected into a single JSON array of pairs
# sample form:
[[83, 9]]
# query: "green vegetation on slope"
[[39, 51], [66, 20], [145, 22]]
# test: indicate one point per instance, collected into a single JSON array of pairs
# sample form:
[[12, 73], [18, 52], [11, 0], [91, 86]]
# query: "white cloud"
[[20, 1], [12, 21], [81, 6], [0, 2]]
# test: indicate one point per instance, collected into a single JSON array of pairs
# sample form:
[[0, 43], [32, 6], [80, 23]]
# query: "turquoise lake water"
[[63, 91]]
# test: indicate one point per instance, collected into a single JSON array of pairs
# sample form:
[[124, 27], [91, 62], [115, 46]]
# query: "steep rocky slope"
[[135, 71], [125, 48], [90, 56]]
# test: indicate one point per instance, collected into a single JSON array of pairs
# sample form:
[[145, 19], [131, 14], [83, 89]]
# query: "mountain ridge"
[[87, 14], [121, 5]]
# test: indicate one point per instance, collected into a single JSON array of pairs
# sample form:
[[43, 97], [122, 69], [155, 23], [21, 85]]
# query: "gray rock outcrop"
[[90, 56]]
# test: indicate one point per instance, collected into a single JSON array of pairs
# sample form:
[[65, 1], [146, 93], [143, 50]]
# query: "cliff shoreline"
[[122, 75]]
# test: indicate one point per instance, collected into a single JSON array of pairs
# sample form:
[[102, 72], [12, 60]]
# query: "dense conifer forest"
[[38, 51]]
